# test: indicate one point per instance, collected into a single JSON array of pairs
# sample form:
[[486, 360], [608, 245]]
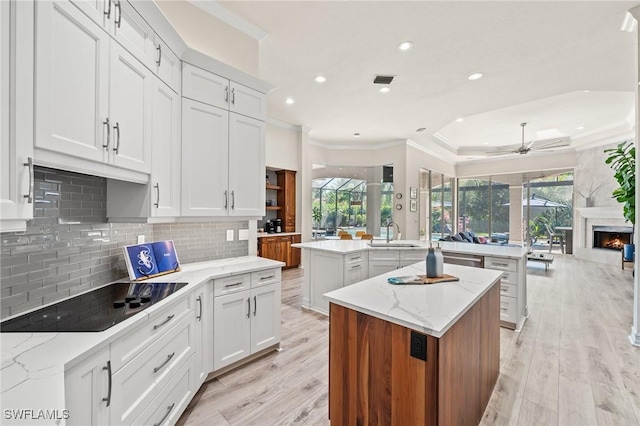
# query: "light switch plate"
[[140, 239], [229, 234], [243, 235]]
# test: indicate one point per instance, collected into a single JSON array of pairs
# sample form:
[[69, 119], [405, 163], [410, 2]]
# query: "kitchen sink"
[[392, 244]]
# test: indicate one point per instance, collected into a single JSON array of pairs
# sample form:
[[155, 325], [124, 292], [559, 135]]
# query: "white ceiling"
[[556, 65]]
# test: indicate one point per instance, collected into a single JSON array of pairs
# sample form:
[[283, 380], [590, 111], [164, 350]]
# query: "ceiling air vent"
[[383, 79]]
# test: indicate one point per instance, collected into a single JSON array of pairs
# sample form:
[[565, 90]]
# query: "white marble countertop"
[[351, 246], [430, 309], [33, 364]]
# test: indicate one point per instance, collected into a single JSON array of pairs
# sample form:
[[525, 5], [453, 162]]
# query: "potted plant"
[[622, 160]]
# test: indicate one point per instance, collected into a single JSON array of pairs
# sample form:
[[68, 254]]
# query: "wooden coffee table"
[[545, 258]]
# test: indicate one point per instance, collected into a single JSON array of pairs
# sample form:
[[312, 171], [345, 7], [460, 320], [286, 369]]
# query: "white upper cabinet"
[[246, 101], [204, 86], [133, 33], [205, 153], [246, 166], [102, 12], [167, 64], [93, 97], [130, 111], [16, 115], [165, 163], [72, 80], [212, 89]]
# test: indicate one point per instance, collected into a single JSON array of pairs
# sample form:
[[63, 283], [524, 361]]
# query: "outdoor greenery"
[[622, 160]]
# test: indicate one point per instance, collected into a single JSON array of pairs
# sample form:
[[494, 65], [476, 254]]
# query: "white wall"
[[282, 150], [211, 36]]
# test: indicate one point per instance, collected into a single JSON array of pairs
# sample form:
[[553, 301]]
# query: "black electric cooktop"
[[96, 310]]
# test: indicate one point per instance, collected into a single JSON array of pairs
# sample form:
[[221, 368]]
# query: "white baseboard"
[[634, 337]]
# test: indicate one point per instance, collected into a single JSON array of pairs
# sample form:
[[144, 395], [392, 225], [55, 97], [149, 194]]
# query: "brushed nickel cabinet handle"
[[270, 277], [117, 129], [159, 49], [157, 187], [233, 200], [169, 408], [255, 305], [106, 123], [199, 317], [248, 307], [233, 96], [226, 94], [169, 318], [107, 399], [119, 14], [108, 11], [226, 200], [158, 368], [29, 196]]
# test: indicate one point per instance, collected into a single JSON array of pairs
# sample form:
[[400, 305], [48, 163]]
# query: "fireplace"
[[611, 237]]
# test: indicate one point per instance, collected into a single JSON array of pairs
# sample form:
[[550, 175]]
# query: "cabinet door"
[[100, 11], [167, 64], [16, 115], [355, 273], [203, 343], [265, 317], [231, 328], [165, 156], [380, 267], [203, 86], [130, 110], [246, 166], [247, 101], [294, 254], [205, 136], [86, 387], [72, 80], [133, 33]]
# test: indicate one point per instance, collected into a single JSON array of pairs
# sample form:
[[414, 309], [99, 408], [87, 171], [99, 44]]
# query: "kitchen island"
[[414, 354], [332, 264]]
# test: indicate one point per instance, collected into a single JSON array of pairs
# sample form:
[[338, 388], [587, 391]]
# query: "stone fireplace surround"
[[588, 217]]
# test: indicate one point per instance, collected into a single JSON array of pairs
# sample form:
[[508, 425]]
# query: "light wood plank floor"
[[572, 364]]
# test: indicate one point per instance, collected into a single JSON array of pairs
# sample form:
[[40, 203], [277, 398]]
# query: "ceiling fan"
[[533, 145]]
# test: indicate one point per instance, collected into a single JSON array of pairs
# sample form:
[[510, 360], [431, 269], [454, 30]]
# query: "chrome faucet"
[[389, 225]]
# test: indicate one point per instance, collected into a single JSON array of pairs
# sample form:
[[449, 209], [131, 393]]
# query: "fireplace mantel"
[[611, 212], [585, 219]]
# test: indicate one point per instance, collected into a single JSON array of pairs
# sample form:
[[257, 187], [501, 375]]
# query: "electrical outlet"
[[229, 234], [140, 239], [243, 235]]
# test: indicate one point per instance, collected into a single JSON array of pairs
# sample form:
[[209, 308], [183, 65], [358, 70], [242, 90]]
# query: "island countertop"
[[352, 246], [431, 308]]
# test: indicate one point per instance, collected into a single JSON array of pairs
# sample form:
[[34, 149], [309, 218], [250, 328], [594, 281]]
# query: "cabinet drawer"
[[166, 408], [355, 258], [136, 383], [510, 277], [508, 289], [376, 255], [232, 284], [413, 255], [270, 276], [271, 240], [125, 349], [508, 309], [500, 264]]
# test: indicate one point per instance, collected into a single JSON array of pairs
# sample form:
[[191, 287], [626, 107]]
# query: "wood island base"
[[374, 379]]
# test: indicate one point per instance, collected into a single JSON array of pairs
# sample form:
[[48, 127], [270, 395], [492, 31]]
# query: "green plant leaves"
[[622, 160]]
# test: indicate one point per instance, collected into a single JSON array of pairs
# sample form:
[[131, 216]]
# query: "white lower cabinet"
[[513, 289], [88, 390], [383, 261], [245, 321], [203, 332]]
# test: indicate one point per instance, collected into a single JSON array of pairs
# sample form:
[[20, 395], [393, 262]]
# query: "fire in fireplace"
[[611, 237]]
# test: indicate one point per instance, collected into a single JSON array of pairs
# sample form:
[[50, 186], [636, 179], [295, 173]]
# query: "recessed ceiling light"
[[585, 91], [475, 76], [289, 101], [459, 119], [486, 143], [405, 45], [320, 79], [385, 90], [580, 128], [356, 135]]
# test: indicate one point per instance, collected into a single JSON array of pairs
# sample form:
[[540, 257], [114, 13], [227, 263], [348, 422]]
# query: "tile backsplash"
[[69, 247]]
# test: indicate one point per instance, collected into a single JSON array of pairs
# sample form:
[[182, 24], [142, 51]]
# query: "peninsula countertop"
[[352, 246], [431, 309]]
